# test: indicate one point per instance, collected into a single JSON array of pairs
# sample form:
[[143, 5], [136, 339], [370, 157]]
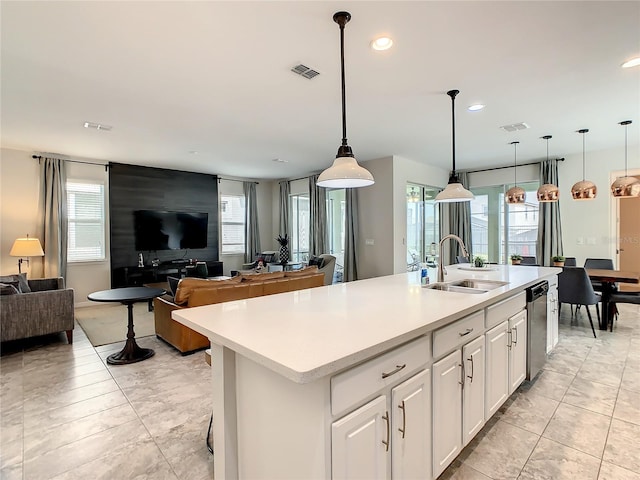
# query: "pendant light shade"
[[548, 192], [515, 194], [454, 191], [345, 171], [584, 189], [625, 187]]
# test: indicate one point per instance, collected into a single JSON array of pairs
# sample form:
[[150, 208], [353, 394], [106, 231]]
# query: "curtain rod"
[[234, 180], [507, 166], [105, 165]]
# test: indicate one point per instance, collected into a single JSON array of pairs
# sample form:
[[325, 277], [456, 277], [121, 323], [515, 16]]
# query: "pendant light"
[[626, 187], [585, 189], [454, 191], [345, 171], [515, 194], [548, 192]]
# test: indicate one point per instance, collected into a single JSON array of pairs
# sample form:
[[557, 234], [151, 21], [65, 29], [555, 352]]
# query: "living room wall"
[[133, 188]]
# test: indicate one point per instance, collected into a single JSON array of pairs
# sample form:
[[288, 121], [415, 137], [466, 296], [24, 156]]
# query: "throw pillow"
[[21, 278], [319, 261], [9, 288]]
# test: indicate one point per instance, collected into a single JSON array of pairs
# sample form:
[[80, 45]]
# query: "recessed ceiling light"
[[634, 62], [382, 43], [97, 126], [476, 107], [280, 160], [194, 152]]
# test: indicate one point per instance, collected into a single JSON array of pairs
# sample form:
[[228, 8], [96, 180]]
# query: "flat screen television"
[[160, 230]]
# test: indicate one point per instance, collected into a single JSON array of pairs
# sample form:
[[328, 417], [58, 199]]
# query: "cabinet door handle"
[[385, 417], [516, 330], [509, 335], [393, 372], [461, 365], [466, 332], [470, 359], [404, 419]]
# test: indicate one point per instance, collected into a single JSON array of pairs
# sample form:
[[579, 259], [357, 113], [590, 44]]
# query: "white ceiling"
[[214, 77]]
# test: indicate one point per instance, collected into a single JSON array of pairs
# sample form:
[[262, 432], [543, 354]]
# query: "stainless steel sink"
[[468, 285], [477, 283], [448, 287]]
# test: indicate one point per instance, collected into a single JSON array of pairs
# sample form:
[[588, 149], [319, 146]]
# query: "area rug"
[[106, 324]]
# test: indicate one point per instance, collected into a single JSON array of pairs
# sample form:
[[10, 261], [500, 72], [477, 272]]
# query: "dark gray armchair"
[[48, 308]]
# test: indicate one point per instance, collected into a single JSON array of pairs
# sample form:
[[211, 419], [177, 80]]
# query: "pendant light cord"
[[584, 175], [344, 88], [515, 163], [626, 124], [452, 94]]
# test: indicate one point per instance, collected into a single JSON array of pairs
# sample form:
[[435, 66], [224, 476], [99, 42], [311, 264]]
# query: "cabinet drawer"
[[353, 386], [459, 332], [507, 308]]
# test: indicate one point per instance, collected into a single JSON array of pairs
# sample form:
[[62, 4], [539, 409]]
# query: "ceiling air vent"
[[514, 127], [305, 71]]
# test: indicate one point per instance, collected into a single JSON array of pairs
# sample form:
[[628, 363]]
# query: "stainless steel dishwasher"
[[536, 328]]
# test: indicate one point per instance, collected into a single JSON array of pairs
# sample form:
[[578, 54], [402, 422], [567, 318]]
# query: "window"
[[423, 229], [336, 208], [299, 244], [232, 215], [86, 232], [499, 230]]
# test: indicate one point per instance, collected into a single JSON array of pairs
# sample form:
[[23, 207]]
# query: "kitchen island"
[[295, 374]]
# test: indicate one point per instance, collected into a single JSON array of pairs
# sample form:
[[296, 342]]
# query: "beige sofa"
[[195, 292]]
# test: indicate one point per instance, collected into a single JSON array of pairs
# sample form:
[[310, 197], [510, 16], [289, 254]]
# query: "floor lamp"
[[26, 247]]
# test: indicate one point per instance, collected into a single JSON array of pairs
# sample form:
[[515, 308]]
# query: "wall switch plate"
[[369, 241], [591, 240], [580, 241]]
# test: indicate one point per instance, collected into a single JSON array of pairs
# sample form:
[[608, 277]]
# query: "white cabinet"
[[447, 411], [506, 358], [390, 435], [552, 314], [497, 368], [517, 350], [458, 389], [411, 427], [357, 450], [378, 435], [473, 417]]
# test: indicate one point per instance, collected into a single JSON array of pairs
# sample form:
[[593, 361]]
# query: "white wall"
[[588, 227], [383, 213]]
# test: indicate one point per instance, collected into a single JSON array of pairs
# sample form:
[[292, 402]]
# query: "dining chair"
[[570, 262], [623, 297], [574, 287], [461, 259], [528, 260], [602, 264]]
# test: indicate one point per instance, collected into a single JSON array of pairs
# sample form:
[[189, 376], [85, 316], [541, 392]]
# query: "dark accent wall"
[[144, 188]]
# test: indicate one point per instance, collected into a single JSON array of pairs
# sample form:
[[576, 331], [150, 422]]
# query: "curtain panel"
[[52, 217], [251, 232], [319, 238], [285, 191], [549, 224], [350, 272]]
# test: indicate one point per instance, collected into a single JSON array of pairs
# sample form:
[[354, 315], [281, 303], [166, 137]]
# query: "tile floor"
[[66, 414]]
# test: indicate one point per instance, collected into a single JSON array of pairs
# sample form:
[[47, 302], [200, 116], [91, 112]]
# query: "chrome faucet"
[[441, 270]]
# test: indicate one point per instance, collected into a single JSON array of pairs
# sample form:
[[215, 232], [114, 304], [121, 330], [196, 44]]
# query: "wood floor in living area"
[[66, 414]]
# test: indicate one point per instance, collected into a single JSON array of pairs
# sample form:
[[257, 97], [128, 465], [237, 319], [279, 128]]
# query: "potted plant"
[[284, 248], [516, 259], [558, 261], [478, 262]]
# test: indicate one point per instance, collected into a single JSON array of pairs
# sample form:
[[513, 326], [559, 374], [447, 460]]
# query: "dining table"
[[609, 278]]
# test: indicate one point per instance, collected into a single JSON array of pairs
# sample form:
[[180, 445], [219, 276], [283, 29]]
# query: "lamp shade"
[[515, 195], [454, 192], [26, 247], [584, 190], [345, 173], [626, 187], [548, 193]]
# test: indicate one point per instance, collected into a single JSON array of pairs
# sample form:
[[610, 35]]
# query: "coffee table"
[[131, 352]]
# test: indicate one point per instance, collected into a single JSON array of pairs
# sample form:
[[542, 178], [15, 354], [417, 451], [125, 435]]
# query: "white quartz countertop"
[[308, 334]]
